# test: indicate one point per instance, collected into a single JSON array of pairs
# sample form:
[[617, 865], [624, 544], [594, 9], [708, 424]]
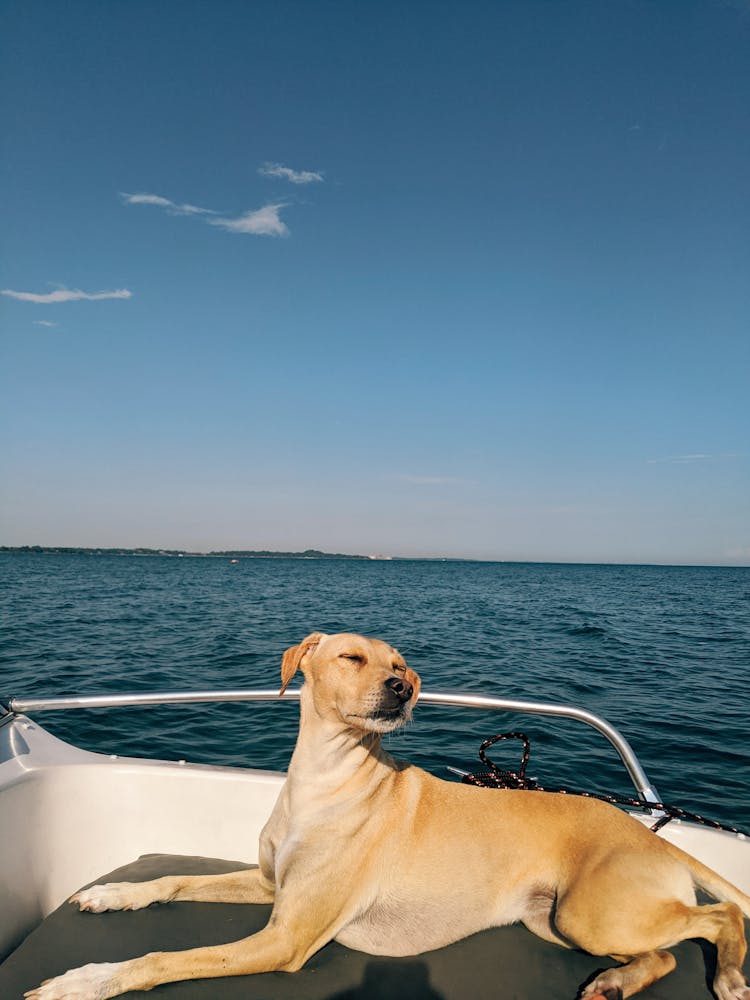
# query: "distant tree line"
[[229, 554], [267, 554]]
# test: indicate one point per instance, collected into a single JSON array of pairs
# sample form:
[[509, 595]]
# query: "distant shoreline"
[[312, 554], [180, 553]]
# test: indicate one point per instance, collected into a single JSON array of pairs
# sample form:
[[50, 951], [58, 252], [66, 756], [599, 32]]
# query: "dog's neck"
[[332, 756]]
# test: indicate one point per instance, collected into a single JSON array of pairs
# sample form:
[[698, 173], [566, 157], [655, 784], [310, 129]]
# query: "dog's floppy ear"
[[293, 657]]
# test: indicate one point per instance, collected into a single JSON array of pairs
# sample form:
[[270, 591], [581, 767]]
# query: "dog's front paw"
[[112, 896], [90, 982]]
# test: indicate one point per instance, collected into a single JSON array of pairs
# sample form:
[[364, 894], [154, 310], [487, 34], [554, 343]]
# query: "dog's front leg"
[[267, 951], [247, 886], [296, 930]]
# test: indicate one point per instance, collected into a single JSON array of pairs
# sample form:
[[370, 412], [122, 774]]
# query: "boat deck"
[[508, 963]]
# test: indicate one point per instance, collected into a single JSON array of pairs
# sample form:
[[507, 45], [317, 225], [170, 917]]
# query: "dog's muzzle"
[[402, 689], [386, 707]]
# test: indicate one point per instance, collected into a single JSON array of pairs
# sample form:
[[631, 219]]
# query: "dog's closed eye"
[[353, 657]]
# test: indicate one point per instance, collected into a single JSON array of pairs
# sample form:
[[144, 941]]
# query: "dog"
[[361, 849]]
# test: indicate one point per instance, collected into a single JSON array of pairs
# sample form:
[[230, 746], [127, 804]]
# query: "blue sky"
[[464, 279]]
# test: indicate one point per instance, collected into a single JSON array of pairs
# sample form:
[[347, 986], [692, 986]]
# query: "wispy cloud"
[[413, 480], [691, 459], [170, 206], [680, 459], [264, 221], [66, 295], [287, 174], [43, 322]]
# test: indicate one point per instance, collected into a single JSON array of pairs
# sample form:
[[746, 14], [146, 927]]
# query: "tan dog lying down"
[[362, 849]]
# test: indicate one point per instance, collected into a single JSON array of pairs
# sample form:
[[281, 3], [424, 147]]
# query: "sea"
[[662, 653]]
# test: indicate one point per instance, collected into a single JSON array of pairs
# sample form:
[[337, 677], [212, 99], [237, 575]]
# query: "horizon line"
[[311, 554]]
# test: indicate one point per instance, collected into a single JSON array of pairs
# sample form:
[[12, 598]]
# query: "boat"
[[71, 817]]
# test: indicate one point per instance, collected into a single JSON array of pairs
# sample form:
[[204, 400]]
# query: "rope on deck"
[[496, 777]]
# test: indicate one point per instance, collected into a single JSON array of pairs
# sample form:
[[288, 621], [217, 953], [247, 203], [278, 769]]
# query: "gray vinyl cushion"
[[503, 964]]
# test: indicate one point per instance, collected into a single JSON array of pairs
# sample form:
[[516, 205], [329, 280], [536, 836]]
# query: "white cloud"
[[412, 480], [680, 459], [43, 322], [691, 459], [171, 206], [287, 174], [66, 295], [262, 222]]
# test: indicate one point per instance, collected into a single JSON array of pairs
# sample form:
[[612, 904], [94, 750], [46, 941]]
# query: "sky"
[[414, 279]]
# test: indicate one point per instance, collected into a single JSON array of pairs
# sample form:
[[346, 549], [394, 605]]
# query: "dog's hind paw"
[[731, 986], [602, 988], [736, 993]]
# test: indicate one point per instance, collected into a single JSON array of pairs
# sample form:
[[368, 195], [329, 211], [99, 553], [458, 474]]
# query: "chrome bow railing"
[[646, 790]]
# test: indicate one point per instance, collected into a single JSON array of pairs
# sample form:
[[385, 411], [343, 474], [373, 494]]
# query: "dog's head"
[[364, 683]]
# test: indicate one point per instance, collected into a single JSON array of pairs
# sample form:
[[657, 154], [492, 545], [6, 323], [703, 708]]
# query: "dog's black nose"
[[401, 688]]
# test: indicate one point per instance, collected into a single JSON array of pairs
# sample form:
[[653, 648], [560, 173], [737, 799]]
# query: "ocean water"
[[663, 653]]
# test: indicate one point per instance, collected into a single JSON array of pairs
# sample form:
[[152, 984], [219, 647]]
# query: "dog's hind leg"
[[719, 923], [635, 975], [247, 886], [722, 925], [643, 928]]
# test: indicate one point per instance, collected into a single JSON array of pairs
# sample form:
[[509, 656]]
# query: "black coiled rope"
[[496, 777]]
